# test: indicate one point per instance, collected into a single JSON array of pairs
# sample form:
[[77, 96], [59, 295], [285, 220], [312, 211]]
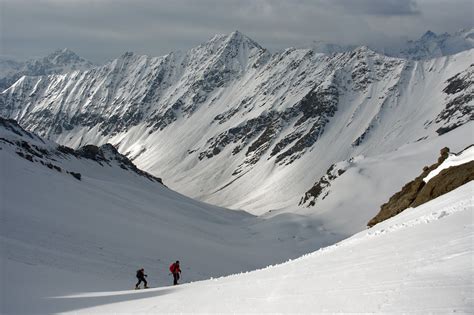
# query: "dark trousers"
[[175, 278], [140, 281]]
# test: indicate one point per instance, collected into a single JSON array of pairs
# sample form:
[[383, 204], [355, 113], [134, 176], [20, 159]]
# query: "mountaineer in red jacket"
[[174, 268]]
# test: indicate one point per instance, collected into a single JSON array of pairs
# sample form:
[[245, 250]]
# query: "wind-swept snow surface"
[[417, 262]]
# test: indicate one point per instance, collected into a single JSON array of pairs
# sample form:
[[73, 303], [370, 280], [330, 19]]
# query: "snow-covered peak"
[[58, 62], [63, 57], [428, 35], [236, 38], [234, 52]]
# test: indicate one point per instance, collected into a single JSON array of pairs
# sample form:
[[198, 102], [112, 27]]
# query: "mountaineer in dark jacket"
[[141, 277]]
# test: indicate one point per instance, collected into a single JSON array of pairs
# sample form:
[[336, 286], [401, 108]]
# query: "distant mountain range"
[[428, 46], [230, 123], [431, 45]]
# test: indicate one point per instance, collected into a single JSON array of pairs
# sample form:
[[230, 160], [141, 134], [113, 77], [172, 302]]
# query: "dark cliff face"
[[308, 119], [459, 109], [418, 192], [107, 153], [320, 189]]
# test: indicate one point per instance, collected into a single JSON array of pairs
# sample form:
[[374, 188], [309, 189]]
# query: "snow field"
[[417, 262], [60, 235]]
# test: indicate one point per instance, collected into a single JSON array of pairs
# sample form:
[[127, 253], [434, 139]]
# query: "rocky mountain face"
[[60, 61], [229, 123], [321, 189], [459, 109]]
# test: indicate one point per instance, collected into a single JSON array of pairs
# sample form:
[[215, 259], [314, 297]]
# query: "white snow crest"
[[453, 160]]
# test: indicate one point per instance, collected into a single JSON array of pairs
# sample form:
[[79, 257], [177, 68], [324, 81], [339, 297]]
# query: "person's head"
[[142, 269], [177, 262]]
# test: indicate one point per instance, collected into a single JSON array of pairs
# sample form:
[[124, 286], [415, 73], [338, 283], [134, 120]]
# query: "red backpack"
[[172, 267]]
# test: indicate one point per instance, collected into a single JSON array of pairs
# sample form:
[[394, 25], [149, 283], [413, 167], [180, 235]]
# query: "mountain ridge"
[[241, 113]]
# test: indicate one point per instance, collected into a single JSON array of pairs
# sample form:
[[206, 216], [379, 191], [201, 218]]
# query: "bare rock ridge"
[[418, 192]]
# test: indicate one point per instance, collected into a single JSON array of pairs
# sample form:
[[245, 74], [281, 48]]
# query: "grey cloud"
[[377, 7], [103, 29]]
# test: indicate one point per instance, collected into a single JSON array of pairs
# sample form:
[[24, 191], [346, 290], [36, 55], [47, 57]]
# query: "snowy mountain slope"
[[417, 262], [432, 45], [354, 189], [231, 124], [85, 220], [59, 61]]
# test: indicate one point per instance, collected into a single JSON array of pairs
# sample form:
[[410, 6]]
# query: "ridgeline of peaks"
[[431, 45], [228, 116]]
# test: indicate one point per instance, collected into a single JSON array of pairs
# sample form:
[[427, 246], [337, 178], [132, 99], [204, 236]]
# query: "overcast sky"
[[103, 29]]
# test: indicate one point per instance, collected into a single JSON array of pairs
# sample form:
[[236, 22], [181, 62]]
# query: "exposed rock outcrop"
[[320, 189], [418, 192]]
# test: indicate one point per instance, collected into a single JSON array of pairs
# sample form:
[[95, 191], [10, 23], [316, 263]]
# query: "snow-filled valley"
[[62, 234], [62, 237], [72, 245]]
